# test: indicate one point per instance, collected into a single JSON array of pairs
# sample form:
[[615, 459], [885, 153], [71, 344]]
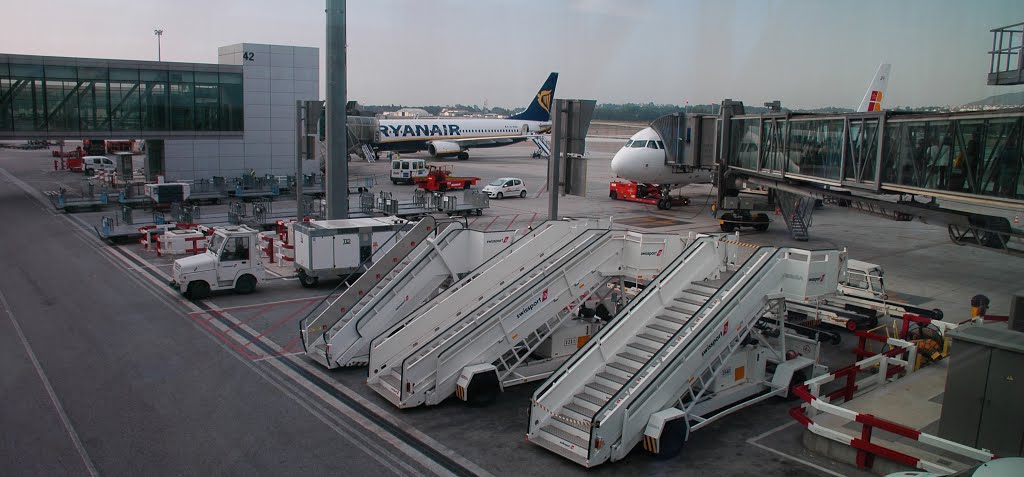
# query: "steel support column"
[[336, 176]]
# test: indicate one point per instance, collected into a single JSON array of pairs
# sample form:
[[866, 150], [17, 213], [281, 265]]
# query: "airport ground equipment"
[[326, 248], [406, 171], [338, 331], [494, 328], [442, 178], [644, 193], [680, 355], [232, 261], [742, 212]]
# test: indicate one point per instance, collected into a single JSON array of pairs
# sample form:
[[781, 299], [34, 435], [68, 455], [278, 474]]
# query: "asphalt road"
[[99, 374]]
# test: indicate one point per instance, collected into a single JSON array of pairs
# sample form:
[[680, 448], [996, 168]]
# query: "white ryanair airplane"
[[452, 137], [642, 159]]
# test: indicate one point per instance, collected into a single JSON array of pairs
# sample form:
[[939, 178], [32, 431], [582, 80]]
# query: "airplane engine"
[[443, 148]]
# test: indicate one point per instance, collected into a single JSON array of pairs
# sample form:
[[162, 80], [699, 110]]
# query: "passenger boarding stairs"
[[542, 145], [665, 348], [394, 286], [503, 313], [796, 211]]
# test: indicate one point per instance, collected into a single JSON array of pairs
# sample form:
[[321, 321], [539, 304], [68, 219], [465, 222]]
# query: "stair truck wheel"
[[245, 285], [666, 433], [197, 290], [478, 385], [762, 222], [726, 223], [306, 280]]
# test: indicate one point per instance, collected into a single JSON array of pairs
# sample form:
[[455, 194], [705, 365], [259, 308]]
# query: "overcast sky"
[[807, 53]]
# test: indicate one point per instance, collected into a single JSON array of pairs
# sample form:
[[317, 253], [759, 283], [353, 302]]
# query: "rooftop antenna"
[[158, 33]]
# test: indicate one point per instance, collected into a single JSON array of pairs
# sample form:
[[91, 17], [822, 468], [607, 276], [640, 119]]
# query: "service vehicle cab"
[[98, 163], [406, 171], [505, 187], [232, 261]]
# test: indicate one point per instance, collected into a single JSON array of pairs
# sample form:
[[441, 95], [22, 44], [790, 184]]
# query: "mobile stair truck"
[[322, 248], [685, 352], [494, 328], [337, 332]]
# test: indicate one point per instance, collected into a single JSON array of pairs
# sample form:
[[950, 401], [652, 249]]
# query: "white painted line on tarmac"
[[49, 389], [278, 356], [753, 441]]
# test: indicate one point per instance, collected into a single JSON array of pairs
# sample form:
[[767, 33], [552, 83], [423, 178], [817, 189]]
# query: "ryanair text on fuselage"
[[420, 130]]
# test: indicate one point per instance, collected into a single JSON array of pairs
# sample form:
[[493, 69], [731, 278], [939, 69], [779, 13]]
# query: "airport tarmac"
[[108, 369]]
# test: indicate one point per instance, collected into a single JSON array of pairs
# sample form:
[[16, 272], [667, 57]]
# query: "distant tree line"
[[631, 112]]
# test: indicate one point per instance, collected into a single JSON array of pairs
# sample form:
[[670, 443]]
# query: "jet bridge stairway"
[[496, 332], [661, 354], [416, 278]]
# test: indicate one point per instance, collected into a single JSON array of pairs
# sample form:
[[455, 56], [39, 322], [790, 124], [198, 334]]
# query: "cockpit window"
[[628, 143], [639, 144], [652, 145], [661, 145]]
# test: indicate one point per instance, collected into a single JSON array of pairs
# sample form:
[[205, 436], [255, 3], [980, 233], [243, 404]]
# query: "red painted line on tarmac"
[[492, 222], [287, 347], [532, 219], [257, 305], [474, 220], [514, 217], [224, 337], [286, 319], [253, 316]]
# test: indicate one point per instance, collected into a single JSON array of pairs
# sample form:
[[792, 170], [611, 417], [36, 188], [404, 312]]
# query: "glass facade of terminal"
[[69, 98], [966, 153]]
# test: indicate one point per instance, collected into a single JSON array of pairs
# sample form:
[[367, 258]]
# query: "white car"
[[98, 163], [505, 187]]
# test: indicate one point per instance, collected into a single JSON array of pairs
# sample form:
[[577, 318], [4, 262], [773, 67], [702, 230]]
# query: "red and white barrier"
[[899, 359]]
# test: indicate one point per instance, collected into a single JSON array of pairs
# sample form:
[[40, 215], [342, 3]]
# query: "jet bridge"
[[411, 273], [677, 353], [483, 335]]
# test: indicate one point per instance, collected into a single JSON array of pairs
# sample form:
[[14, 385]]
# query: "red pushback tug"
[[644, 193], [440, 178]]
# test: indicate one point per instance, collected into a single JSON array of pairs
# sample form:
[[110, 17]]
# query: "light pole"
[[158, 34]]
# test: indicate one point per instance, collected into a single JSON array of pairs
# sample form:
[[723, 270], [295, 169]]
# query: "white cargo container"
[[340, 247]]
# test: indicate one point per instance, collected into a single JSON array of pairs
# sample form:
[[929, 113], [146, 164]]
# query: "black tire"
[[836, 339], [613, 195], [245, 284], [727, 225], [394, 181], [463, 156], [673, 438], [522, 194], [307, 281], [499, 196], [483, 389], [763, 222], [197, 290], [668, 204]]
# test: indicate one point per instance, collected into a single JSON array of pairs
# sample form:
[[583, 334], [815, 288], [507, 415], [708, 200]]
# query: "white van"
[[98, 163], [408, 170]]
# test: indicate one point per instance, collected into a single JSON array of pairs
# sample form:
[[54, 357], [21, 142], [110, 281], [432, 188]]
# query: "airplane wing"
[[493, 140]]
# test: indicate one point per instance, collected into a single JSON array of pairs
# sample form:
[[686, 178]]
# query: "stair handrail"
[[472, 274], [534, 284], [601, 232], [304, 333], [755, 265]]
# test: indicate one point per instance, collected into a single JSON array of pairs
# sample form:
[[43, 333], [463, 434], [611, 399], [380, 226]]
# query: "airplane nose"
[[616, 164]]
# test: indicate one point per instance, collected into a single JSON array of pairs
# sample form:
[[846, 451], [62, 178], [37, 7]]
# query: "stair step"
[[682, 310], [601, 388], [565, 436], [392, 380], [612, 377], [632, 357], [573, 422], [706, 286], [592, 399], [631, 370], [673, 319], [662, 328], [643, 347], [582, 411], [705, 292], [654, 338], [688, 300]]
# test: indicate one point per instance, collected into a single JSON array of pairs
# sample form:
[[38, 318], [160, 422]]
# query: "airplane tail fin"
[[873, 97], [540, 107]]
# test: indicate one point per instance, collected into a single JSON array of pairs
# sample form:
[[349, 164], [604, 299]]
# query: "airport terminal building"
[[199, 120]]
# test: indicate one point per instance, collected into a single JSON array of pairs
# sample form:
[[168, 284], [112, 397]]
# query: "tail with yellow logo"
[[540, 107]]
